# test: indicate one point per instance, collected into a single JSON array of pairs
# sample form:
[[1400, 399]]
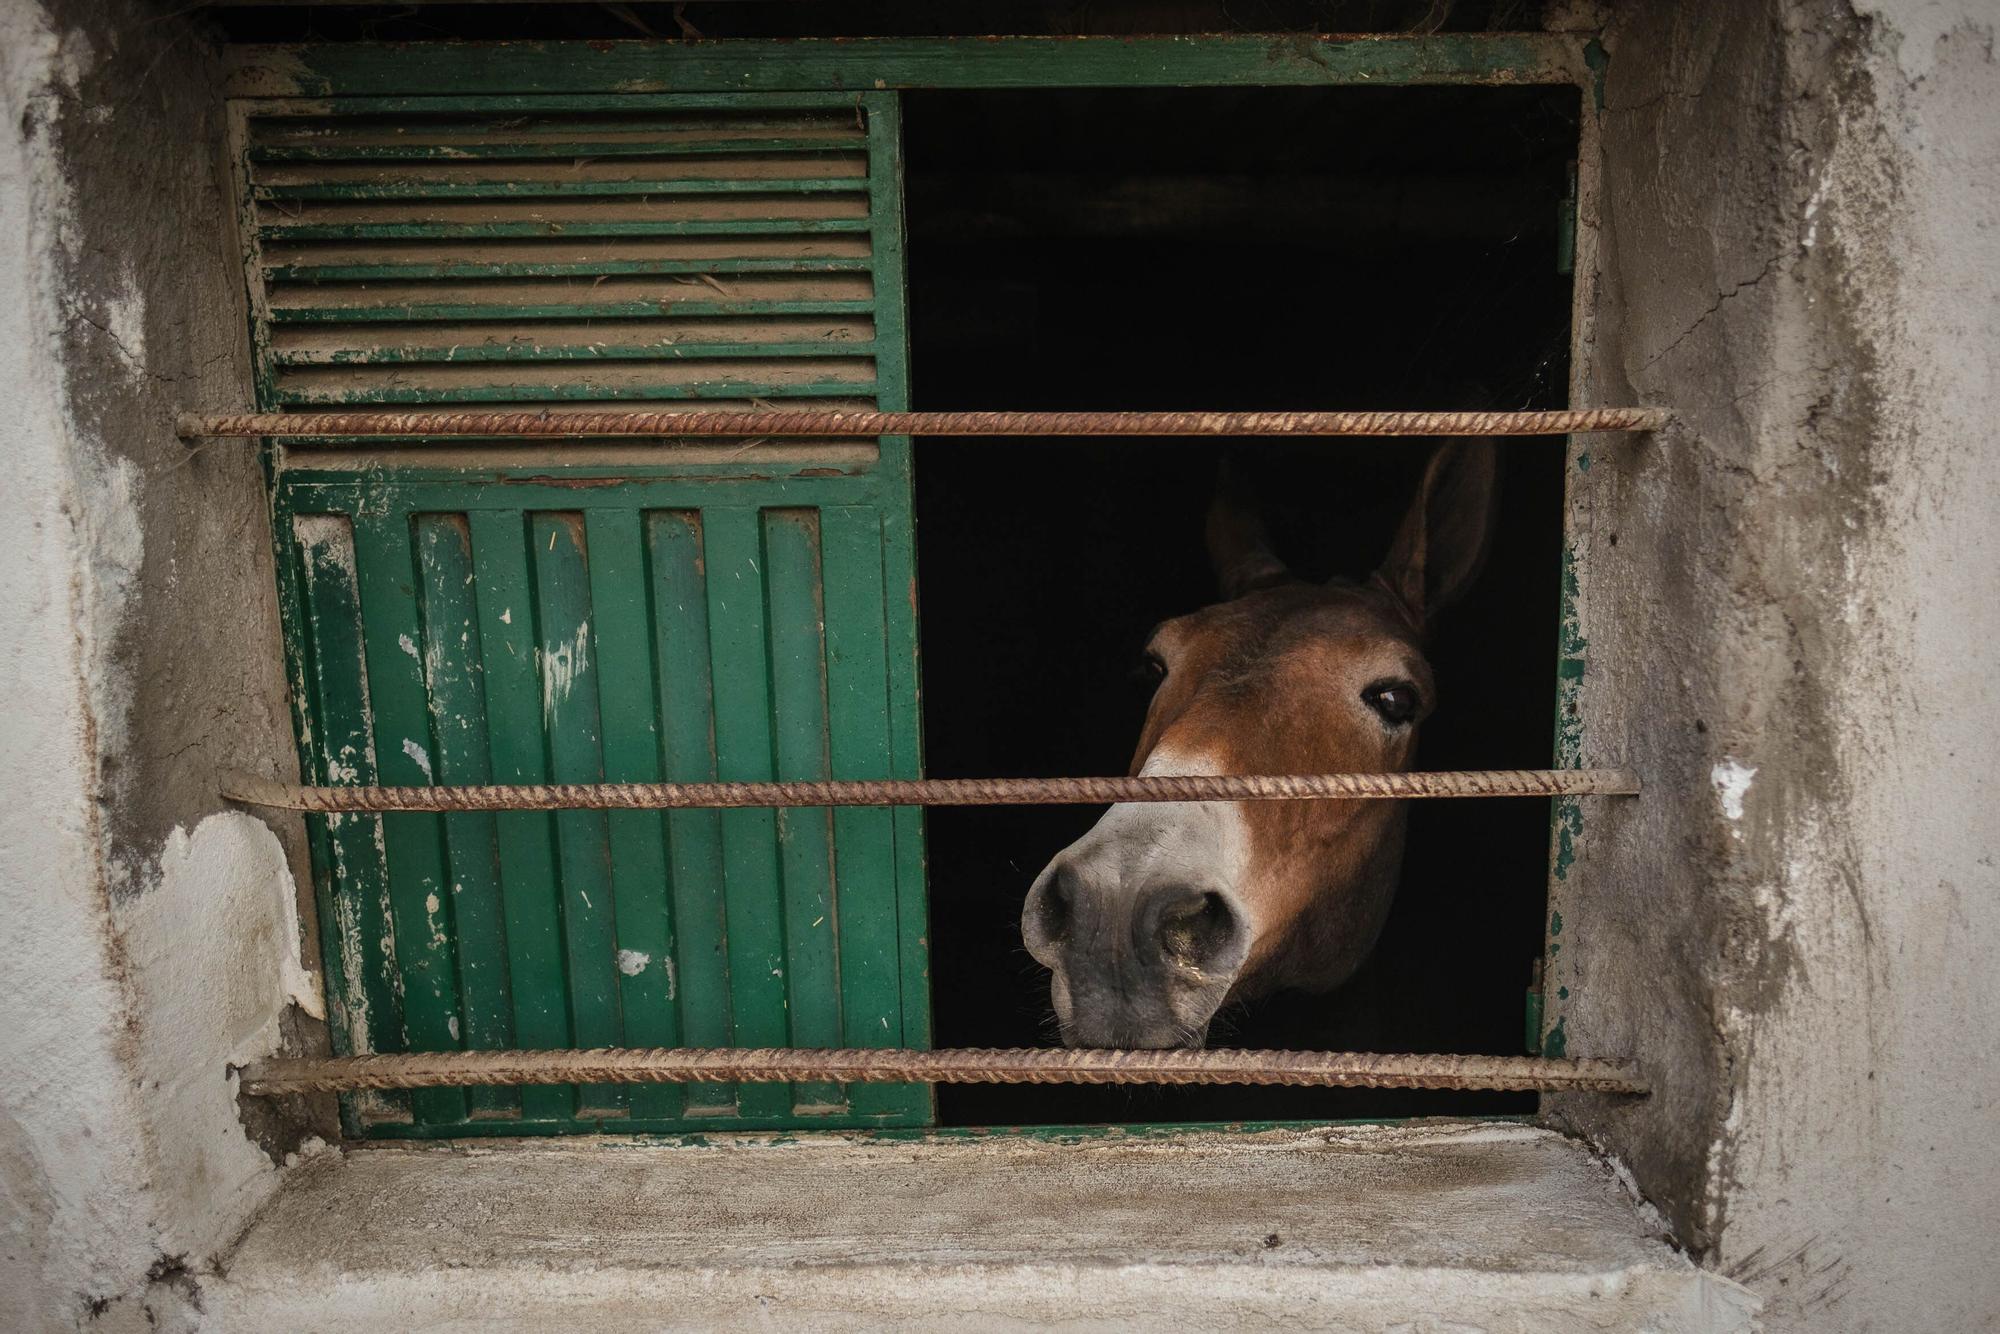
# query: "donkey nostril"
[[1198, 930], [1056, 906]]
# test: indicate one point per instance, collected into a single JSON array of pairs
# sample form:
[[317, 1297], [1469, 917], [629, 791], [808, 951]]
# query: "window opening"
[[1272, 248]]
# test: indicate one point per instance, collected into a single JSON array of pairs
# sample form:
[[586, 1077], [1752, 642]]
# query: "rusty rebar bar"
[[271, 794], [417, 427], [974, 1065]]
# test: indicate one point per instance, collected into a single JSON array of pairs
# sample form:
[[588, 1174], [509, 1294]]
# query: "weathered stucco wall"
[[147, 938], [1791, 603]]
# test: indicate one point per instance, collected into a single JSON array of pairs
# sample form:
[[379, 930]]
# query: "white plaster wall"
[[71, 1173], [212, 948], [133, 975], [1861, 1156]]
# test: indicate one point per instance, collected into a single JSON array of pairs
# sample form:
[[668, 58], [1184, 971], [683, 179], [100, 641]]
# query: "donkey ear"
[[1238, 546], [1442, 542]]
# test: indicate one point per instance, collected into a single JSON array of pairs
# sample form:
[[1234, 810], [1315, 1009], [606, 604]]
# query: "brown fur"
[[1271, 683]]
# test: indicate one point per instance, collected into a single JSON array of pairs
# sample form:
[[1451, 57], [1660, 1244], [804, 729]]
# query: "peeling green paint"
[[1570, 647], [1567, 812], [1598, 61], [1556, 1045], [1566, 227], [1568, 827]]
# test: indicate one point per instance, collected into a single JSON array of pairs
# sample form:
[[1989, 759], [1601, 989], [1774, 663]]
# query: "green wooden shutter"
[[522, 614]]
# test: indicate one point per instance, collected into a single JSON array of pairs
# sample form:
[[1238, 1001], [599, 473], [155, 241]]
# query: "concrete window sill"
[[1485, 1227]]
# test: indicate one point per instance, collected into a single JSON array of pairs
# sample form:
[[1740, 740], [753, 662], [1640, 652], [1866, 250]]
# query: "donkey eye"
[[1149, 671], [1396, 701]]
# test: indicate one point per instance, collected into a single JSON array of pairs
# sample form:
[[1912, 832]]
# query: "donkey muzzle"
[[1143, 965]]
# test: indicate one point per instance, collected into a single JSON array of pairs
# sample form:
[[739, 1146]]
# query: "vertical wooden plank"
[[528, 880], [857, 665], [740, 675], [885, 232], [898, 554], [796, 633], [339, 968], [368, 1003], [570, 720], [457, 691], [413, 843], [622, 640], [674, 539], [899, 578]]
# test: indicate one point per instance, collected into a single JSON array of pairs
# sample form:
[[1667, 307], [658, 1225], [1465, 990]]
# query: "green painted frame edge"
[[1572, 744], [860, 64]]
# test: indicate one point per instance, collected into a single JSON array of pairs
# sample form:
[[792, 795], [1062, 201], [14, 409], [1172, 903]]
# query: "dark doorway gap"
[[1232, 248]]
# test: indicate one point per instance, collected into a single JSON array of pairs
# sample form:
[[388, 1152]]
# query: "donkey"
[[1164, 912]]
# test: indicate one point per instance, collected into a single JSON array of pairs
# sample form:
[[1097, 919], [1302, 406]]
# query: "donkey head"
[[1163, 912]]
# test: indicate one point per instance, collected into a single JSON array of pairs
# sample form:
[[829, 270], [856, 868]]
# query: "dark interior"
[[1226, 248]]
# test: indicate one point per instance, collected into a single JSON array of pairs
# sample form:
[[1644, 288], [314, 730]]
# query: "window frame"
[[393, 75]]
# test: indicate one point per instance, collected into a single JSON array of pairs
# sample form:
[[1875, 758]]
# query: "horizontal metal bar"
[[737, 425], [265, 792], [974, 1065]]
